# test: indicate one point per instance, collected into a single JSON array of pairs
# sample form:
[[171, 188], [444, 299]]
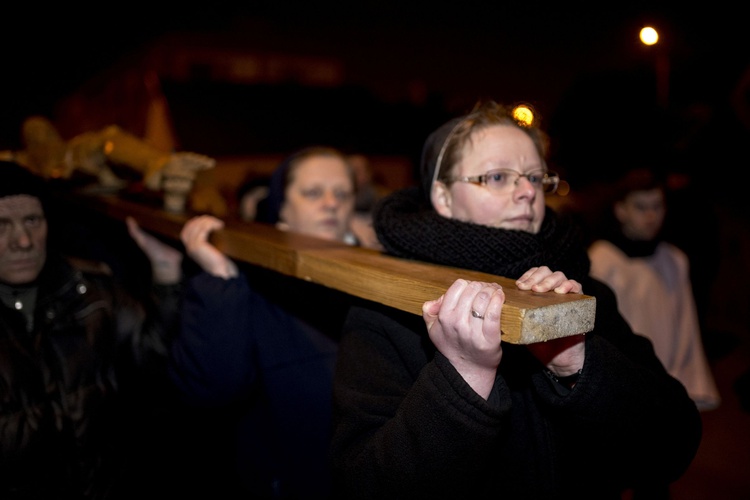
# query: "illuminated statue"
[[95, 153]]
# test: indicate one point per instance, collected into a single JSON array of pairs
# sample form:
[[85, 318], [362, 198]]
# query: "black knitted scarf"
[[633, 248], [410, 228]]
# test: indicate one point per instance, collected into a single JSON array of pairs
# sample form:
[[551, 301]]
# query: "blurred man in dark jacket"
[[73, 343]]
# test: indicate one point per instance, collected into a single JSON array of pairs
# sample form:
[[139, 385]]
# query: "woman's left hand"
[[543, 279], [562, 356]]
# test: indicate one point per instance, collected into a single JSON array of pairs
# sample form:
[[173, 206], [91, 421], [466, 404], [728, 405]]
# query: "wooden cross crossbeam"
[[528, 317]]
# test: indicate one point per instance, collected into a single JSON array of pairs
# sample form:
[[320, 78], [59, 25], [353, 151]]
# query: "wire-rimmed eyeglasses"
[[504, 180]]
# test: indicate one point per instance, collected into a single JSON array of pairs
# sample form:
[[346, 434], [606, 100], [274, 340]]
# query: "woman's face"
[[319, 200], [520, 206]]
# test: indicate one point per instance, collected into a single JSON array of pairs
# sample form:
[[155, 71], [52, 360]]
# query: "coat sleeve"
[[402, 412], [212, 360], [627, 421], [142, 326]]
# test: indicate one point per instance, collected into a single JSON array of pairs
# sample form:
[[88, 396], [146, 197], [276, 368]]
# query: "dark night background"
[[584, 70], [408, 66]]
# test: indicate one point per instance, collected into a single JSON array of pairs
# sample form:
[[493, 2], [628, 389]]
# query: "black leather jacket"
[[60, 426]]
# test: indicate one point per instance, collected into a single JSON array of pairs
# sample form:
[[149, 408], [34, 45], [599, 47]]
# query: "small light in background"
[[523, 114], [649, 36]]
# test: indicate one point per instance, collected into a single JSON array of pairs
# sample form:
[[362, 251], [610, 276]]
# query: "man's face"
[[642, 214], [23, 239]]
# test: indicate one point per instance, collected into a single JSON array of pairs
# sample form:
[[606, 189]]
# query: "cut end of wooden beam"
[[557, 320]]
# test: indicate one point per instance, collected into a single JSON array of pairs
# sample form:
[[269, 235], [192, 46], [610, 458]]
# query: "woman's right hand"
[[464, 325], [194, 236]]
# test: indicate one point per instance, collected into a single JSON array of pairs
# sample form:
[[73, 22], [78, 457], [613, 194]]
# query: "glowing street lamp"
[[650, 37]]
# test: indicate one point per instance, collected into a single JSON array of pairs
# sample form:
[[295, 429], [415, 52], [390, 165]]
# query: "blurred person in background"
[[249, 194], [83, 367], [368, 194], [651, 279], [259, 346]]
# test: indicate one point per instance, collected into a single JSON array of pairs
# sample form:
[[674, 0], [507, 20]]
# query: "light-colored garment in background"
[[655, 296]]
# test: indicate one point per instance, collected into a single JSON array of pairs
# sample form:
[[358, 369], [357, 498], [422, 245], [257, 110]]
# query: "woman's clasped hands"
[[464, 325]]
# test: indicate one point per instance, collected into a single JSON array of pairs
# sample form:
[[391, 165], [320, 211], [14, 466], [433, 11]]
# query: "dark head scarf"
[[269, 207], [409, 227], [16, 179], [430, 153]]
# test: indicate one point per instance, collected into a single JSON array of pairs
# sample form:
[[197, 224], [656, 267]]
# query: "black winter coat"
[[408, 426], [60, 422]]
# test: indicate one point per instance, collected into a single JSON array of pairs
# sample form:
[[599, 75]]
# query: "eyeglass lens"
[[503, 179]]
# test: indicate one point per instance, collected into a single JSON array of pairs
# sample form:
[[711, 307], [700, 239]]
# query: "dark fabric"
[[269, 370], [19, 180], [408, 227], [270, 206], [430, 153], [77, 390], [632, 248], [406, 424]]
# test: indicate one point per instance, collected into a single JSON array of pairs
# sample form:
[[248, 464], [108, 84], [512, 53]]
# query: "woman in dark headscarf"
[[439, 407], [258, 347], [312, 192]]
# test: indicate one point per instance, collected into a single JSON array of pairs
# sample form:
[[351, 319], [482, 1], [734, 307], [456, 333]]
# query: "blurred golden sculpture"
[[95, 153]]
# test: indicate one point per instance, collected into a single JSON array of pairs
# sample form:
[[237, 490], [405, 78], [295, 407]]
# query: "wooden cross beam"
[[528, 317]]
